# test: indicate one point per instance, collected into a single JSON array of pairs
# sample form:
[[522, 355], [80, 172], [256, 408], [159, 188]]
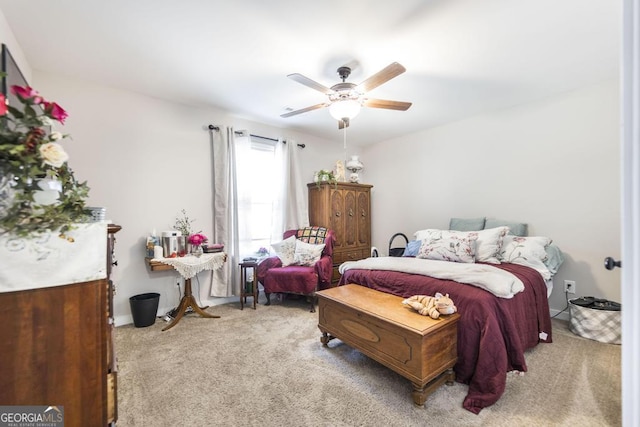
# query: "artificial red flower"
[[27, 93], [55, 111], [3, 105], [197, 239]]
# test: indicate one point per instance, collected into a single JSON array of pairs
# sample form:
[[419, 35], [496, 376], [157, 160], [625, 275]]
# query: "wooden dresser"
[[57, 348], [346, 209]]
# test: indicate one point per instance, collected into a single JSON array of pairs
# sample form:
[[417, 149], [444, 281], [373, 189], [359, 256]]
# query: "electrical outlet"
[[570, 286]]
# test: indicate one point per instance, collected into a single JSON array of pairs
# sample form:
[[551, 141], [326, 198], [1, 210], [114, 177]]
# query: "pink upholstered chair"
[[299, 279]]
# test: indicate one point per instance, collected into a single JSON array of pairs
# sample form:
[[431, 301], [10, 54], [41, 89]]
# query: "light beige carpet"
[[268, 368]]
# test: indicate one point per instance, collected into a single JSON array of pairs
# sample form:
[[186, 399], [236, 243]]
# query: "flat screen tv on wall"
[[12, 76]]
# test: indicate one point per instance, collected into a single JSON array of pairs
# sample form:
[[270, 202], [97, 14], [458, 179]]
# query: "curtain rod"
[[267, 138], [217, 128]]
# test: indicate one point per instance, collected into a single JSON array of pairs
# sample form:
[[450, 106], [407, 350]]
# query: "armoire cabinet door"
[[363, 218], [336, 220], [350, 219]]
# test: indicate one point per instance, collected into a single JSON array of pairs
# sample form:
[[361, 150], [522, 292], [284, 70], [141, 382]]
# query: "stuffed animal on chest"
[[431, 306]]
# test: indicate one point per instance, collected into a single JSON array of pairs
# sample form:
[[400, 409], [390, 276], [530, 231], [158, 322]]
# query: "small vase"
[[197, 250]]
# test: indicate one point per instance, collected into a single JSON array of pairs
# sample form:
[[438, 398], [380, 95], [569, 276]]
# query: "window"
[[258, 169]]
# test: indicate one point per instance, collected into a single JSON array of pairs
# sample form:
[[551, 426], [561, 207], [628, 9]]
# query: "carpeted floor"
[[268, 368]]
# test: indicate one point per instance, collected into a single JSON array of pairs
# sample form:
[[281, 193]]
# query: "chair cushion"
[[314, 235], [294, 279]]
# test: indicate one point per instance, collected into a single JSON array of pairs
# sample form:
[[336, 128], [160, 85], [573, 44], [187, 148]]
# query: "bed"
[[474, 267]]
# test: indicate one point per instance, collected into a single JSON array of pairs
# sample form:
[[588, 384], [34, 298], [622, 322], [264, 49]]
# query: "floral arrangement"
[[38, 191], [324, 175], [183, 224], [197, 239], [262, 251]]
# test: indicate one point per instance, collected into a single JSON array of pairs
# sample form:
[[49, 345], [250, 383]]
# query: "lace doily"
[[188, 266]]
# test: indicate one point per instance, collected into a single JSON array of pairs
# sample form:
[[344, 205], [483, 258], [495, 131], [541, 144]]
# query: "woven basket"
[[599, 325]]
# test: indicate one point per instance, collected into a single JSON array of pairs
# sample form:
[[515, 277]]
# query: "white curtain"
[[290, 211], [227, 208], [294, 189]]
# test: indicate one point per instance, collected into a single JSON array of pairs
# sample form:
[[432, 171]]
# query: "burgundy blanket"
[[493, 332]]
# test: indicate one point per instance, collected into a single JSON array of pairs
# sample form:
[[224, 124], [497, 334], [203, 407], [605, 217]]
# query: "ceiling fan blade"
[[389, 105], [387, 73], [310, 83], [344, 123], [304, 110]]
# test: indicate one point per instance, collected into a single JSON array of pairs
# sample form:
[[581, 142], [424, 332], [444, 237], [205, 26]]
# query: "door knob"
[[610, 263]]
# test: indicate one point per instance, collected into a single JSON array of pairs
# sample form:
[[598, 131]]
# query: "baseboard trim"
[[560, 314], [127, 319]]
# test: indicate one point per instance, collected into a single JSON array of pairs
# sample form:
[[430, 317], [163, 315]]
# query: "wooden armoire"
[[344, 208]]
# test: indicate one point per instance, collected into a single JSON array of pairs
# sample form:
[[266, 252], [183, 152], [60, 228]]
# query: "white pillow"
[[307, 254], [444, 246], [423, 234], [528, 251], [489, 244], [285, 250]]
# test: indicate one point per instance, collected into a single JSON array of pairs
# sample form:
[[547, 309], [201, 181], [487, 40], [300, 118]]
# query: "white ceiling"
[[462, 56]]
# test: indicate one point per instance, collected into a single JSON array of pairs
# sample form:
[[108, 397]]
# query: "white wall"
[[553, 164], [145, 159]]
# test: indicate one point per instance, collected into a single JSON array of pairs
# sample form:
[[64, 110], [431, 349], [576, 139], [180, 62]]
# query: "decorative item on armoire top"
[[340, 175], [354, 165], [324, 176], [38, 191]]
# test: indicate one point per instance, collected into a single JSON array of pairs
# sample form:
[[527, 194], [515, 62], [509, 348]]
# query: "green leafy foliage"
[[30, 155]]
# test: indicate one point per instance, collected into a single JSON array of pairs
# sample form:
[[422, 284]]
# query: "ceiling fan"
[[345, 99]]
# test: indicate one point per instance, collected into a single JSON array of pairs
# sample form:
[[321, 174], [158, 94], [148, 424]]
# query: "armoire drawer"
[[354, 255]]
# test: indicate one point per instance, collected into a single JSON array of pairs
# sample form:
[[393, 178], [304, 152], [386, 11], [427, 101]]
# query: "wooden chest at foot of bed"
[[421, 349]]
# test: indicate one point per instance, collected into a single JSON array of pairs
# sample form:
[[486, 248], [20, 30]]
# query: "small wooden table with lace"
[[188, 267]]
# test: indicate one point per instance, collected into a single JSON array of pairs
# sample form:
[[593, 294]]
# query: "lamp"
[[354, 165], [347, 108]]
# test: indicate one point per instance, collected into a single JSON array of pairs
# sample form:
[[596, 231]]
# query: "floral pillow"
[[489, 244], [444, 246], [285, 250], [307, 254], [528, 251]]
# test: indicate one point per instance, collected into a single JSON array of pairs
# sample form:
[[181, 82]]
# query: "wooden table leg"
[[255, 288], [188, 301]]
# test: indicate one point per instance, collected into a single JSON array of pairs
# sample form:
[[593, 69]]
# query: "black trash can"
[[144, 308]]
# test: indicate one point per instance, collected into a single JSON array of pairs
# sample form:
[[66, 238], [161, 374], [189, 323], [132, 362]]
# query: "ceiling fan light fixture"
[[348, 108]]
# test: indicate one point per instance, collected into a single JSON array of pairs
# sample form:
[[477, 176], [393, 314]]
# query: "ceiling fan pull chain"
[[345, 145]]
